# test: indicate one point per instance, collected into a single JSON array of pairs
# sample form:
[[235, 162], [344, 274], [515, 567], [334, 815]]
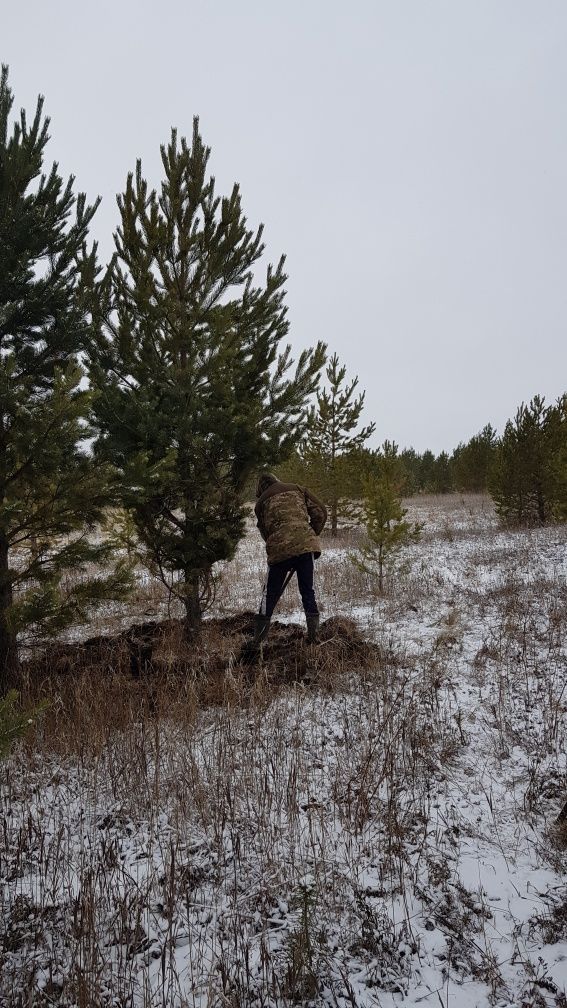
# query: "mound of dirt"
[[341, 648], [153, 649]]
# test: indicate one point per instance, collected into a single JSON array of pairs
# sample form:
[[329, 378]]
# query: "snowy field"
[[380, 840]]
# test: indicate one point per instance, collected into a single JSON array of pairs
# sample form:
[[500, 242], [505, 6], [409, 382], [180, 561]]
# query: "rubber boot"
[[312, 628], [261, 627], [251, 649]]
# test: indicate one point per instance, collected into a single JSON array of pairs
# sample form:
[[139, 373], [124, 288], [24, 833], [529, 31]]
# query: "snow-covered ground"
[[382, 840]]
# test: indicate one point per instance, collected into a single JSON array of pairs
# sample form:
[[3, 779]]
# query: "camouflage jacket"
[[290, 520]]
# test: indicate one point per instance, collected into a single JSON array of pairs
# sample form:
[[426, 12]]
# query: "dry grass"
[[252, 815]]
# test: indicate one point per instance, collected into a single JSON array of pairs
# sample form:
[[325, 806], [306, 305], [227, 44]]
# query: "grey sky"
[[409, 157]]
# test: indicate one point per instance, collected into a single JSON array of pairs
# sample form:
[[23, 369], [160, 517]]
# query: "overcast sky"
[[408, 156]]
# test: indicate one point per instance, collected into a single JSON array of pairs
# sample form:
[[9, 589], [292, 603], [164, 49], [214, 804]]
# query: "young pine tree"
[[443, 474], [50, 493], [427, 472], [410, 462], [472, 463], [332, 442], [557, 433], [523, 476], [194, 387], [388, 531]]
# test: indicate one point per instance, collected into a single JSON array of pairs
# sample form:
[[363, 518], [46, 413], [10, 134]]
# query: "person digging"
[[290, 520]]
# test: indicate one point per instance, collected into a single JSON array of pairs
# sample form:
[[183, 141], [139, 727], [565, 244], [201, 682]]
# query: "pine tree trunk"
[[334, 516], [8, 646], [193, 613], [335, 497]]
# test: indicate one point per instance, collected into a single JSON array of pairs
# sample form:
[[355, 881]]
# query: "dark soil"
[[154, 649]]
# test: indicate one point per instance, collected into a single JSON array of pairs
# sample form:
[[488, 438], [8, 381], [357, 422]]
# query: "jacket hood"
[[266, 480]]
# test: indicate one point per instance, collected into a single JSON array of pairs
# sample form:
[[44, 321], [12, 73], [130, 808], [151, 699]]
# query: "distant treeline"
[[524, 470]]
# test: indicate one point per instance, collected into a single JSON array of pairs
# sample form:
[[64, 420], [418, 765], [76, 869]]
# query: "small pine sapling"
[[388, 531], [15, 722]]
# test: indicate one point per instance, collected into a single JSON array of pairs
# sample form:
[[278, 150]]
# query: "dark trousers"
[[303, 566]]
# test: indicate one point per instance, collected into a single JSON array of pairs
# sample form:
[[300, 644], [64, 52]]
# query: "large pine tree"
[[195, 392], [50, 493]]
